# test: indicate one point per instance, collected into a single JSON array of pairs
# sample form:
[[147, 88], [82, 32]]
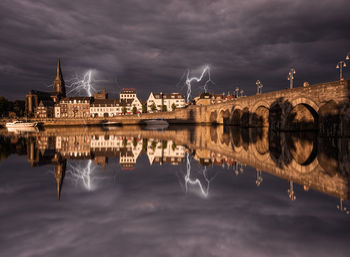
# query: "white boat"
[[21, 124], [156, 124], [111, 123]]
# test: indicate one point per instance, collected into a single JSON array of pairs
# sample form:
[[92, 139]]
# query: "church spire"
[[59, 82], [58, 70], [60, 169], [58, 177]]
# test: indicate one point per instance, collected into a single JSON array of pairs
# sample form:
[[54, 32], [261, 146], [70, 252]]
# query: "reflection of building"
[[170, 101], [295, 158], [74, 147], [34, 97], [165, 152]]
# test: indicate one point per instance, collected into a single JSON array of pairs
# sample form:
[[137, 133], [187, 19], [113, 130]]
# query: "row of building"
[[100, 106], [57, 105]]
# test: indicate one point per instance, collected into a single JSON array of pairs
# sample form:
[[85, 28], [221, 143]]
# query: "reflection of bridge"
[[317, 163]]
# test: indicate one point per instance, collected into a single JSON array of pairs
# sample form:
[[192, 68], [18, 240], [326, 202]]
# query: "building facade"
[[130, 94], [165, 102], [127, 104], [73, 107], [44, 110]]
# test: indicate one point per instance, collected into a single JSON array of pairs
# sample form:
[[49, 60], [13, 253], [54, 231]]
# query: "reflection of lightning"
[[189, 81], [76, 85], [188, 180], [82, 174]]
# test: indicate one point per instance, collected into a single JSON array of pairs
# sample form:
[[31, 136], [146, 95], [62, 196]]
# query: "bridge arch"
[[259, 116], [305, 101], [300, 113], [304, 169], [224, 116]]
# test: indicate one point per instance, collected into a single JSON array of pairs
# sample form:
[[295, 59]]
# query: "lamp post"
[[341, 207], [259, 178], [242, 92], [291, 191], [259, 87], [340, 66], [237, 92], [347, 57], [291, 77]]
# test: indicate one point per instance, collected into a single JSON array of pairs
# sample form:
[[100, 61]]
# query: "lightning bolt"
[[189, 80], [197, 182], [78, 85], [82, 174]]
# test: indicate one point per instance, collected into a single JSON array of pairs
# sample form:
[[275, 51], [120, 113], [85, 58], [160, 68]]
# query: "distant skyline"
[[149, 45]]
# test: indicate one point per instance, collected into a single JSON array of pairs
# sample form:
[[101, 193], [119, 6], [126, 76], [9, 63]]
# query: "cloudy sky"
[[149, 45], [145, 212]]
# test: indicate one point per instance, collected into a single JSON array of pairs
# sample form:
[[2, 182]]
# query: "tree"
[[153, 146], [164, 108], [124, 110], [153, 107], [125, 142], [4, 106], [164, 144], [173, 106], [173, 146], [134, 110], [19, 107], [144, 144], [144, 108], [134, 142]]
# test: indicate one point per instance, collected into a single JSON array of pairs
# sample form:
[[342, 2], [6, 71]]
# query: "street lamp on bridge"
[[347, 57], [340, 66], [259, 178], [242, 92], [259, 87], [291, 77], [237, 92], [291, 191]]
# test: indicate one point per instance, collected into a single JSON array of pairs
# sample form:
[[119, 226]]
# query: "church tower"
[[59, 86], [60, 170]]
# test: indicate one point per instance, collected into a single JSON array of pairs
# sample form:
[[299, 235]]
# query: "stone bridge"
[[322, 106]]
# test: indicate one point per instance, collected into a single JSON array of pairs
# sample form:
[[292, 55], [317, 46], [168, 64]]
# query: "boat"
[[111, 123], [18, 124], [156, 124]]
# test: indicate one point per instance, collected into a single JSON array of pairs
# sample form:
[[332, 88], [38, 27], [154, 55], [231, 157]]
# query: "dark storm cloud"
[[149, 44]]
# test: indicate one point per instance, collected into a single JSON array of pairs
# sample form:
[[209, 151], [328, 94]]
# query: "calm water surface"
[[195, 191]]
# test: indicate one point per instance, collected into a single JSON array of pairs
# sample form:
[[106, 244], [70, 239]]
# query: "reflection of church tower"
[[60, 170], [59, 86]]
